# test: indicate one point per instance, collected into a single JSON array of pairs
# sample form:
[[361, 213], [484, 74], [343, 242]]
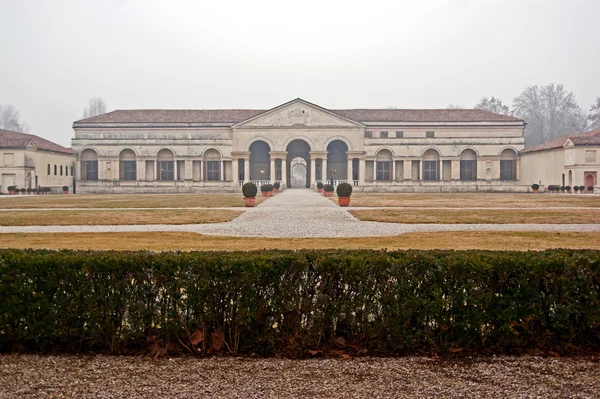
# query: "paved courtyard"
[[302, 213]]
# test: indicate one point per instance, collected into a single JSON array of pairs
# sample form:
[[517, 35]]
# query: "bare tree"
[[550, 111], [594, 116], [97, 107], [493, 105], [9, 119]]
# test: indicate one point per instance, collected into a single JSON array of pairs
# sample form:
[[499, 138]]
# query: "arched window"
[[55, 170], [89, 165], [384, 165], [212, 159], [127, 165], [61, 170], [166, 164], [66, 171], [468, 165], [48, 169], [431, 165], [508, 165]]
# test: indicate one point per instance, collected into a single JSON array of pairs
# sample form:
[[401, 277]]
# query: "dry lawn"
[[126, 201], [477, 216], [116, 217], [159, 241], [473, 200], [34, 376]]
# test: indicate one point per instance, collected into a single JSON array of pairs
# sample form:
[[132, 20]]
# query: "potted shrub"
[[562, 189], [568, 189], [582, 189], [535, 188], [328, 190], [11, 190], [22, 191], [320, 187], [249, 190], [590, 189], [65, 189], [344, 190], [576, 188], [266, 190], [276, 186]]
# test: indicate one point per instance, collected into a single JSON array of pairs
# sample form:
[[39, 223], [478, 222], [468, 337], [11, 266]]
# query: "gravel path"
[[32, 376], [303, 213]]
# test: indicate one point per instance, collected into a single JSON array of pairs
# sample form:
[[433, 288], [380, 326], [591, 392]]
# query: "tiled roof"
[[9, 139], [588, 138], [240, 115]]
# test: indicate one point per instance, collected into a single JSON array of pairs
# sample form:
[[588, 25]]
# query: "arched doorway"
[[298, 173], [468, 165], [260, 161], [166, 165], [508, 165], [590, 179], [127, 165], [298, 150], [431, 165], [337, 161]]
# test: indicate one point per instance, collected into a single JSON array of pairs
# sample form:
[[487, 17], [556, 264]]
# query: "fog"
[[56, 54]]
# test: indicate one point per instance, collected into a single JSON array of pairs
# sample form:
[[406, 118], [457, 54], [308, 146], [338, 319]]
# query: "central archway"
[[298, 149], [298, 173], [337, 160], [260, 166]]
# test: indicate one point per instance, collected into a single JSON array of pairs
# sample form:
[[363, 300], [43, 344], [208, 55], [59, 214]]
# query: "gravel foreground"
[[33, 376]]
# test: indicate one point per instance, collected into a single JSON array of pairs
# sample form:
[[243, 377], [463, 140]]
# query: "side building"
[[29, 161], [299, 144], [565, 161]]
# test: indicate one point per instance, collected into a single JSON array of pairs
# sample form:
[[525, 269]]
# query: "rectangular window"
[[508, 170], [468, 170], [129, 170], [590, 156], [399, 135], [368, 135], [167, 170], [9, 158], [430, 135], [430, 170], [212, 170], [383, 170], [383, 135], [91, 170]]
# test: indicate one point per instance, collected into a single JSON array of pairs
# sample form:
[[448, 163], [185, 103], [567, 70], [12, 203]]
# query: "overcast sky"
[[56, 54]]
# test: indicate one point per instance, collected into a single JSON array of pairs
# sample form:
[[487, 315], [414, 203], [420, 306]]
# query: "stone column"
[[362, 168], [518, 171], [407, 170], [140, 169], [175, 174], [235, 166], [455, 170], [313, 168], [349, 171], [202, 171], [222, 171], [157, 170], [324, 170], [375, 170], [272, 176], [393, 171], [246, 169]]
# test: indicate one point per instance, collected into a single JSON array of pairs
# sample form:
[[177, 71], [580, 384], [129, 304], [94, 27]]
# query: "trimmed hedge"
[[289, 302]]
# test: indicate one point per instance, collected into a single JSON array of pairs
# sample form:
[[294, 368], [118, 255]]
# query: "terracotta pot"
[[275, 190], [249, 201], [328, 193], [344, 201], [265, 193], [65, 191], [320, 190], [535, 190]]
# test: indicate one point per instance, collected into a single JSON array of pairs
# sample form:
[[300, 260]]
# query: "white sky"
[[56, 54]]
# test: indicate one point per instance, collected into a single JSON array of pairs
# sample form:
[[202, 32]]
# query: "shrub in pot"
[[249, 190], [266, 190], [328, 190], [22, 191], [590, 188], [319, 187], [568, 189], [65, 189], [562, 188], [276, 186], [11, 189], [344, 191], [576, 188], [535, 187]]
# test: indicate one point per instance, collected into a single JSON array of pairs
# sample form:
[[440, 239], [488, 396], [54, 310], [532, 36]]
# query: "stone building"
[[29, 161], [564, 161], [373, 149]]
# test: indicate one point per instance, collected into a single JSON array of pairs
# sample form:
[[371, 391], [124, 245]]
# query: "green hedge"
[[289, 302]]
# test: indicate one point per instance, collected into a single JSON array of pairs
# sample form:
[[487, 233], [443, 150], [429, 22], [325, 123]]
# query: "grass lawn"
[[190, 241], [474, 200], [479, 216], [116, 217], [126, 201]]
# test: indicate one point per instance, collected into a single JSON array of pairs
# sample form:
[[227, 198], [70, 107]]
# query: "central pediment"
[[298, 113]]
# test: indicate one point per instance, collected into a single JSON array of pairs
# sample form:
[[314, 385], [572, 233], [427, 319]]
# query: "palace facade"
[[299, 144]]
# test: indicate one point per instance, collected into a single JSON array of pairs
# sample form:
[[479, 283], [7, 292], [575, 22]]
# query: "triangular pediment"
[[568, 144], [31, 145], [298, 113]]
